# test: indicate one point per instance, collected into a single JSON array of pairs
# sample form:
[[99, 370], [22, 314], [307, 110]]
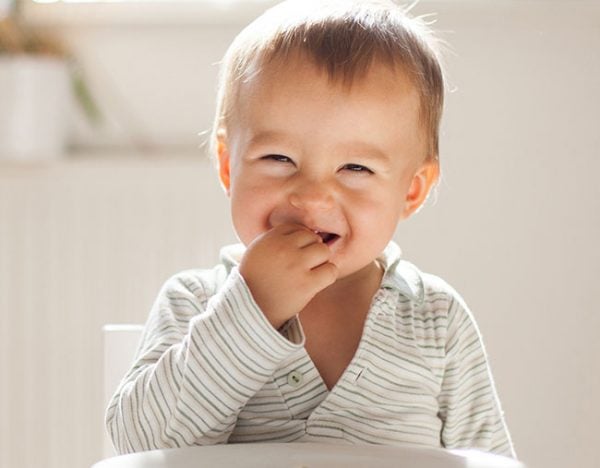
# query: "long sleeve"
[[201, 358], [469, 406]]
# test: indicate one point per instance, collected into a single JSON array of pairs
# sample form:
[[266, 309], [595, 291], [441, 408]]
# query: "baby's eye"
[[358, 168], [277, 157]]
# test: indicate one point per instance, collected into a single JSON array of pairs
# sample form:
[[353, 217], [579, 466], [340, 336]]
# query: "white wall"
[[90, 240]]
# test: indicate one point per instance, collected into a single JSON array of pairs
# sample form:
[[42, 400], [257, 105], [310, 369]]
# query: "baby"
[[315, 329]]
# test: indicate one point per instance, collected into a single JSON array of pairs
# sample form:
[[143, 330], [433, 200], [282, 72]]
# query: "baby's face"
[[345, 163]]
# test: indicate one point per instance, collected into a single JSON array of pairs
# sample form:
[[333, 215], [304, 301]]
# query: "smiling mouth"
[[328, 237]]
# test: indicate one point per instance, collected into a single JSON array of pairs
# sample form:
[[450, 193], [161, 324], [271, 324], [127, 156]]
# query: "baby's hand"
[[285, 268]]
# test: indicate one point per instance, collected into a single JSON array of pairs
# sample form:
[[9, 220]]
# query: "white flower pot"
[[34, 104]]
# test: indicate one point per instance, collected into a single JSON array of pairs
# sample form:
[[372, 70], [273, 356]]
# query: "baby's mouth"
[[328, 237]]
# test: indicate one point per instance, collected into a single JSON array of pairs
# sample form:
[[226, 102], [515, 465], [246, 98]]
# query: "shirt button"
[[295, 378]]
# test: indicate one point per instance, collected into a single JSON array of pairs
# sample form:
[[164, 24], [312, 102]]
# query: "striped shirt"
[[211, 369]]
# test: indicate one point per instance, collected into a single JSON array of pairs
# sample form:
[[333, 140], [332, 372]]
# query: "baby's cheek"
[[250, 220], [375, 221]]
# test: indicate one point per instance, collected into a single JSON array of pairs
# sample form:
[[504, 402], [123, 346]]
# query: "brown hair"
[[343, 37]]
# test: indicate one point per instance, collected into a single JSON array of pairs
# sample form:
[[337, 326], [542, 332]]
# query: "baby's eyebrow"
[[367, 151], [269, 136]]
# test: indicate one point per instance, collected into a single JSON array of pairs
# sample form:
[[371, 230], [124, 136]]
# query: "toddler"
[[314, 329]]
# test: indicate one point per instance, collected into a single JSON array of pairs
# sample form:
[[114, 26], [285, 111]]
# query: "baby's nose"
[[312, 196]]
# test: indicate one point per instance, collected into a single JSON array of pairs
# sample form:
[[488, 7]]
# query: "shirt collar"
[[398, 274], [231, 256]]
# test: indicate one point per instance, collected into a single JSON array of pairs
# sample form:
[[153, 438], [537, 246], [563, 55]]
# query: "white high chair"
[[120, 344]]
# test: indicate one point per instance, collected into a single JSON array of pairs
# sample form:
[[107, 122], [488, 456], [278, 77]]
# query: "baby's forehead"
[[296, 104], [301, 77]]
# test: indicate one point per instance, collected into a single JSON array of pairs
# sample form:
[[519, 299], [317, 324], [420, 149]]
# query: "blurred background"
[[106, 190]]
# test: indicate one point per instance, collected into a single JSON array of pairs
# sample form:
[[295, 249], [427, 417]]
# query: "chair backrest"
[[120, 345]]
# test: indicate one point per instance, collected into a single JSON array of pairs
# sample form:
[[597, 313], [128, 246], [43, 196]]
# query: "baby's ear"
[[421, 184], [223, 160]]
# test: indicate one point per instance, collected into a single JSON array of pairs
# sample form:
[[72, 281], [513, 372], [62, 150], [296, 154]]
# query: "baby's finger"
[[304, 237], [325, 274], [314, 255]]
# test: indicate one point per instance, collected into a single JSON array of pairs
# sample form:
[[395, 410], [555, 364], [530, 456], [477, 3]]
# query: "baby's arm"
[[198, 364], [469, 406]]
